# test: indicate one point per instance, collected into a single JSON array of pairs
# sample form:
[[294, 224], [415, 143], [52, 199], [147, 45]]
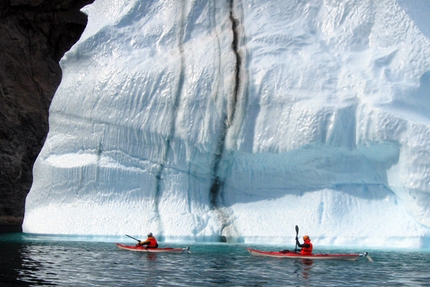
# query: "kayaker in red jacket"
[[150, 242], [306, 246]]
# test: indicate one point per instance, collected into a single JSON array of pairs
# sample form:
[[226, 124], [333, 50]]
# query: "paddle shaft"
[[132, 238], [297, 234]]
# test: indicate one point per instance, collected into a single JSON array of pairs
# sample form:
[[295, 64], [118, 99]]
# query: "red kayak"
[[151, 250], [293, 255]]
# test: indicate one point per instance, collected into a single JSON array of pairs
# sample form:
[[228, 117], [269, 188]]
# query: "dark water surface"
[[53, 261]]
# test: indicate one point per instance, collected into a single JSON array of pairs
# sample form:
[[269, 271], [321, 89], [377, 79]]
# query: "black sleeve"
[[302, 245]]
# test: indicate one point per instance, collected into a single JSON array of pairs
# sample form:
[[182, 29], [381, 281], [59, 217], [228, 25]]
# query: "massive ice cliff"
[[236, 120]]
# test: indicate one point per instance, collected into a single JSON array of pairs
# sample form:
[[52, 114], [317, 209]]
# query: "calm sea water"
[[57, 261]]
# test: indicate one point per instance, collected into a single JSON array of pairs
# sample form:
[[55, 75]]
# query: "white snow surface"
[[317, 115]]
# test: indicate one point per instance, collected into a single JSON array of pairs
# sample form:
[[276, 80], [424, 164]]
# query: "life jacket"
[[307, 250], [152, 242]]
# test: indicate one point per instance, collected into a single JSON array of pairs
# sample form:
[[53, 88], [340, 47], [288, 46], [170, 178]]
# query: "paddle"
[[297, 234], [132, 238], [366, 254]]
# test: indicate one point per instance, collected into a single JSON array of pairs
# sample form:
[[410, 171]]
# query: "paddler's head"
[[150, 234], [306, 237]]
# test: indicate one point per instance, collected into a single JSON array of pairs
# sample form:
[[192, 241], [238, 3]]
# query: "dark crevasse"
[[215, 192], [216, 198]]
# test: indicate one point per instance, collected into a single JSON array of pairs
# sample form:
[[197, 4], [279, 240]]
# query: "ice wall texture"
[[236, 120]]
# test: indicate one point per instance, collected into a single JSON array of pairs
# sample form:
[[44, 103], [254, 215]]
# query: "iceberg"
[[236, 120]]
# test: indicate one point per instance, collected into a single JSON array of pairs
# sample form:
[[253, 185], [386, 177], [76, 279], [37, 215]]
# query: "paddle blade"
[[297, 234], [366, 254]]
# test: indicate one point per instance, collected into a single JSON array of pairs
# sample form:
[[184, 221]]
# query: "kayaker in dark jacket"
[[306, 246], [150, 242]]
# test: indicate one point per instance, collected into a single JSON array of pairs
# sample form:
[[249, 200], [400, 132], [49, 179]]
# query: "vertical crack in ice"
[[177, 99], [235, 46], [217, 183]]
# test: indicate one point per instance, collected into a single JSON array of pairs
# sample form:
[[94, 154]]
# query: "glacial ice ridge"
[[236, 120]]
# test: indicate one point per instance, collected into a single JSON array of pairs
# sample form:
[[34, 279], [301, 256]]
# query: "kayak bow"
[[293, 255], [152, 250]]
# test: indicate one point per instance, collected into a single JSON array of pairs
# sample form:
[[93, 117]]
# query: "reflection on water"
[[304, 268], [72, 263], [151, 256]]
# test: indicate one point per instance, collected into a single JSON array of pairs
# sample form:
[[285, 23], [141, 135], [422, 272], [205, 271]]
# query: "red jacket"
[[151, 242], [307, 248]]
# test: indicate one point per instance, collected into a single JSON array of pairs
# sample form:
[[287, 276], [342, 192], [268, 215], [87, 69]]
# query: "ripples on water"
[[71, 263]]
